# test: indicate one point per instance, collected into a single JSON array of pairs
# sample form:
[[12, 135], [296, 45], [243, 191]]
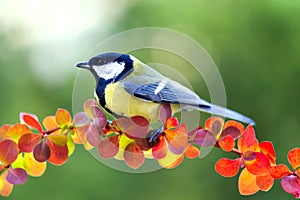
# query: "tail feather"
[[218, 110]]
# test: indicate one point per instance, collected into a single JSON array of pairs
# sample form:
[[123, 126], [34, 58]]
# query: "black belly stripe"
[[100, 92]]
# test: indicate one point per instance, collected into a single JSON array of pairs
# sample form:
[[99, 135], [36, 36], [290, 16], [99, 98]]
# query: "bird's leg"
[[154, 134]]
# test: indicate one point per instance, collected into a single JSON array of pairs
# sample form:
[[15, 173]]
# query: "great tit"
[[127, 87]]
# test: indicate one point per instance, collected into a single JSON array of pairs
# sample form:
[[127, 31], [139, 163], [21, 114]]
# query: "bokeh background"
[[255, 44]]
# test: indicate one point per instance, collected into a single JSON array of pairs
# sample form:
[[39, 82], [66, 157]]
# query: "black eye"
[[105, 58], [97, 61]]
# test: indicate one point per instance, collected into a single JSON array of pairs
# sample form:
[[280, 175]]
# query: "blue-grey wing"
[[168, 91], [165, 91]]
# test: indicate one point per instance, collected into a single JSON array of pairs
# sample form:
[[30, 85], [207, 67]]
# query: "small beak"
[[84, 65]]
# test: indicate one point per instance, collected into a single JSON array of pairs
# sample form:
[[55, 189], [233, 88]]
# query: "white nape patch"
[[110, 70], [161, 86]]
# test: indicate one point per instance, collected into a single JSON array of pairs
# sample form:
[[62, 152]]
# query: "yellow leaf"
[[33, 167], [247, 183], [19, 162], [5, 187]]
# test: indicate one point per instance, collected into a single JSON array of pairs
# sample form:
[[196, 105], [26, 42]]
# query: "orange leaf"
[[265, 182], [227, 167], [257, 163], [4, 131], [80, 134], [294, 157], [279, 171], [247, 140], [177, 139], [63, 117], [232, 123], [247, 183], [5, 187], [267, 148], [192, 152], [215, 125], [49, 123], [159, 150], [16, 131], [134, 156], [227, 143]]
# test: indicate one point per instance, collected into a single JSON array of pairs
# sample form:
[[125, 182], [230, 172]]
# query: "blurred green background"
[[255, 44]]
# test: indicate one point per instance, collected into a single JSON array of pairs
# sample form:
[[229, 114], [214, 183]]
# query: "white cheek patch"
[[160, 86], [110, 70]]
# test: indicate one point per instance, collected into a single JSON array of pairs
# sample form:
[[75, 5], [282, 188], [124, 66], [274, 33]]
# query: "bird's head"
[[109, 66]]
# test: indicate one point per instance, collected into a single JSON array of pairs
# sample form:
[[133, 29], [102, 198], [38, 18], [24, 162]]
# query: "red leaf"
[[159, 151], [134, 127], [16, 176], [41, 152], [165, 112], [143, 143], [171, 123], [87, 106], [294, 157], [99, 116], [192, 152], [265, 182], [227, 167], [133, 156], [279, 171], [291, 185], [267, 148], [232, 131], [109, 147], [58, 153], [257, 163], [247, 140], [93, 135], [204, 138], [81, 119], [227, 143], [235, 124], [28, 141], [31, 120], [8, 152]]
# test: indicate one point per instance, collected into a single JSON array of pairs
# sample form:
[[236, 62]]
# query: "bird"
[[126, 87]]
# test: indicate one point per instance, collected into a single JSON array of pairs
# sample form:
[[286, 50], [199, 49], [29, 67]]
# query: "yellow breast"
[[122, 103]]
